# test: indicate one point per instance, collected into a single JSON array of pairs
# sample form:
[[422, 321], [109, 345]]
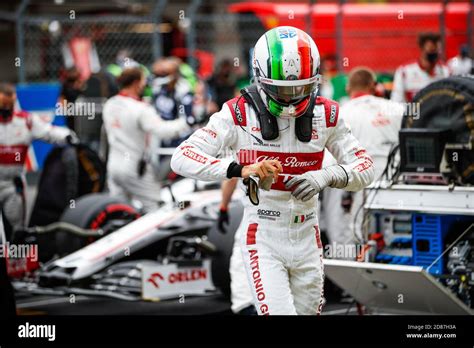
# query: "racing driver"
[[17, 130], [278, 129]]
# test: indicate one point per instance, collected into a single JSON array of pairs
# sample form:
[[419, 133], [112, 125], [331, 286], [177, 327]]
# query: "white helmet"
[[286, 70]]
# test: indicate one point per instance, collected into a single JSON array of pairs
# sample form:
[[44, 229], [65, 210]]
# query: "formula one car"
[[103, 246]]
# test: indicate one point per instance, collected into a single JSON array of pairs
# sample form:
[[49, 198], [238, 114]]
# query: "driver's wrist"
[[234, 170]]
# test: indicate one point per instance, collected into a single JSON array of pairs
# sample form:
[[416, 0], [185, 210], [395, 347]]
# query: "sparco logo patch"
[[238, 113], [275, 213], [333, 113]]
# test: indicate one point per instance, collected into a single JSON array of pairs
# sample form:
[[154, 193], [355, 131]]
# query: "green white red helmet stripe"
[[275, 49], [304, 51], [286, 65], [279, 42]]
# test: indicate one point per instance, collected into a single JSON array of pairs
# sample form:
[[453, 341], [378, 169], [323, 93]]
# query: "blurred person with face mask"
[[172, 95], [375, 122], [203, 105], [71, 88], [72, 84], [412, 77], [129, 122], [462, 64], [17, 130], [223, 82]]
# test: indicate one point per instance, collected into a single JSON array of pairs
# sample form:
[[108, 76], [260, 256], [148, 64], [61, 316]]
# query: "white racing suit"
[[129, 124], [281, 246], [410, 78], [375, 122], [16, 135]]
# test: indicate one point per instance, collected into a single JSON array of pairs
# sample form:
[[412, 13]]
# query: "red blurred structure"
[[382, 36]]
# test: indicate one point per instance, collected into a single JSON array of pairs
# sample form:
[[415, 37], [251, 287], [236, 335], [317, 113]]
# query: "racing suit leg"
[[307, 275], [356, 216], [338, 223], [115, 187], [129, 186], [13, 205], [241, 296], [266, 272], [147, 191], [284, 263]]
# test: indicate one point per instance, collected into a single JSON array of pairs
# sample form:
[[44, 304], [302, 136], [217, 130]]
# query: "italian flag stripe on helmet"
[[304, 51], [275, 49]]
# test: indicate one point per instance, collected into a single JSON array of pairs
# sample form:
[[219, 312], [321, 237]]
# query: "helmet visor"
[[289, 91]]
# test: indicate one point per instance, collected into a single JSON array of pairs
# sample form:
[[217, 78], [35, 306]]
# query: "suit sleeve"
[[351, 156], [46, 131], [398, 89], [197, 156], [151, 122]]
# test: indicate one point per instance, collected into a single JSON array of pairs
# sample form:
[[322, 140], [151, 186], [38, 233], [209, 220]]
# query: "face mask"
[[432, 57], [5, 113], [160, 81]]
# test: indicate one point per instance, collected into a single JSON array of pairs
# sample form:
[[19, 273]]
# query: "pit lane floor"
[[192, 305]]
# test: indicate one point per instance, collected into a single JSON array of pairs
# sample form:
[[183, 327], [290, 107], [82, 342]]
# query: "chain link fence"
[[51, 45], [228, 36], [48, 43]]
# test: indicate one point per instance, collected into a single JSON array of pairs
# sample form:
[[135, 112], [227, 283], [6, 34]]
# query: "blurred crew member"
[[129, 122], [412, 77], [462, 64], [203, 105], [172, 95], [223, 83], [17, 130], [375, 122], [71, 88]]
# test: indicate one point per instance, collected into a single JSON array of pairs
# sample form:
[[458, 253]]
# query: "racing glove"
[[222, 219], [72, 139], [306, 186]]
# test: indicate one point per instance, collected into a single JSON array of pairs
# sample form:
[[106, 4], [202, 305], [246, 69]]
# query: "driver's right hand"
[[263, 169]]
